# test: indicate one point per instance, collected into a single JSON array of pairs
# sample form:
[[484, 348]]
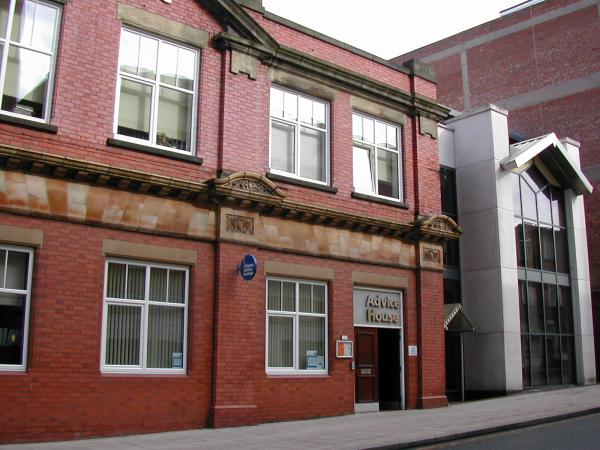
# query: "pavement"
[[387, 430]]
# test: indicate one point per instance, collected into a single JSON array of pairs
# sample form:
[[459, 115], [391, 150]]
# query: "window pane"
[[547, 247], [26, 82], [185, 69], [167, 63], [523, 307], [534, 178], [448, 188], [148, 49], [174, 119], [451, 256], [115, 280], [12, 321], [22, 27], [380, 134], [319, 115], [290, 106], [528, 201], [16, 270], [305, 113], [368, 130], [536, 307], [387, 174], [129, 52], [136, 282], [274, 295], [525, 360], [158, 284], [558, 207], [538, 361], [392, 137], [276, 103], [544, 206], [520, 242], [44, 27], [281, 350], [305, 297], [562, 252], [451, 291], [312, 156], [4, 6], [176, 286], [282, 146], [165, 337], [123, 328], [554, 356], [568, 359], [516, 193], [551, 306], [356, 127], [288, 297], [134, 110], [312, 343], [362, 170], [532, 246], [2, 267], [318, 299], [566, 310]]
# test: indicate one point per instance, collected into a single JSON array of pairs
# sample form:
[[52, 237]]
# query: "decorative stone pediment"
[[248, 182], [438, 227]]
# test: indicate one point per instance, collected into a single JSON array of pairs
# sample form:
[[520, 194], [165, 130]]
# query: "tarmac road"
[[581, 433]]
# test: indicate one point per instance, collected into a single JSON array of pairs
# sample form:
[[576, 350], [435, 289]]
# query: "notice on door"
[[374, 308]]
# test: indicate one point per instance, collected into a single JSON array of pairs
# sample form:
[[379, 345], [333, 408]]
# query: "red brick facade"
[[81, 193], [542, 64]]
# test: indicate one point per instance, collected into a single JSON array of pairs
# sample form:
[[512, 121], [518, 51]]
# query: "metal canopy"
[[554, 156], [456, 320]]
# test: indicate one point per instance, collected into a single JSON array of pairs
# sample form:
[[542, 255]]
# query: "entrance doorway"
[[378, 369]]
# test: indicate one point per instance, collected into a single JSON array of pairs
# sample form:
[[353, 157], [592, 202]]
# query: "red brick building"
[[540, 61], [145, 148]]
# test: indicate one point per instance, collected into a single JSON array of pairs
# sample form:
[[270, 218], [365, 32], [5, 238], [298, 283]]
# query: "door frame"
[[400, 332]]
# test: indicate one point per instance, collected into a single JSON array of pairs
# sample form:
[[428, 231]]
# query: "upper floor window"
[[145, 317], [376, 157], [28, 42], [15, 291], [157, 92], [299, 136]]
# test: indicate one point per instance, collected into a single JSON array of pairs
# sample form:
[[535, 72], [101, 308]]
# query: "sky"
[[389, 28]]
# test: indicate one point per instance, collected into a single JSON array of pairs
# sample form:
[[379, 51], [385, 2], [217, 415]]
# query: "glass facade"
[[452, 293], [546, 311]]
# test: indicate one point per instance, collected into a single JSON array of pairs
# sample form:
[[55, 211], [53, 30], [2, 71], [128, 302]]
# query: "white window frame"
[[27, 293], [297, 124], [156, 84], [5, 43], [373, 147], [296, 315], [145, 305]]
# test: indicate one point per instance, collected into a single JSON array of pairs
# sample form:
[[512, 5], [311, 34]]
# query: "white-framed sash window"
[[16, 265], [145, 317], [157, 92], [28, 43], [296, 327]]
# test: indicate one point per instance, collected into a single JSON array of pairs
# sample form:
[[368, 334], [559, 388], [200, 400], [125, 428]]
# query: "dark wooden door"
[[367, 389]]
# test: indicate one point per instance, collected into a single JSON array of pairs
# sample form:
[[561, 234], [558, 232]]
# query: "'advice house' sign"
[[374, 308]]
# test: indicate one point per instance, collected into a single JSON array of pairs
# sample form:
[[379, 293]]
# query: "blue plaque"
[[248, 267]]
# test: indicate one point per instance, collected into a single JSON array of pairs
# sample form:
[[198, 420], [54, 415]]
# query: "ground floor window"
[[145, 317], [296, 326], [15, 290]]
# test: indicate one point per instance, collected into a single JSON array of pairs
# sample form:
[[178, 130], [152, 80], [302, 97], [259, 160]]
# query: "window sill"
[[13, 371], [297, 375], [304, 183], [149, 374], [375, 199], [152, 150], [28, 123]]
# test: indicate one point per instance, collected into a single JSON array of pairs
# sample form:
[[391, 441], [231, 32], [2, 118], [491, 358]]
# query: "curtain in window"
[[136, 282], [362, 170], [312, 339], [123, 335], [312, 156], [165, 337], [282, 146], [281, 337]]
